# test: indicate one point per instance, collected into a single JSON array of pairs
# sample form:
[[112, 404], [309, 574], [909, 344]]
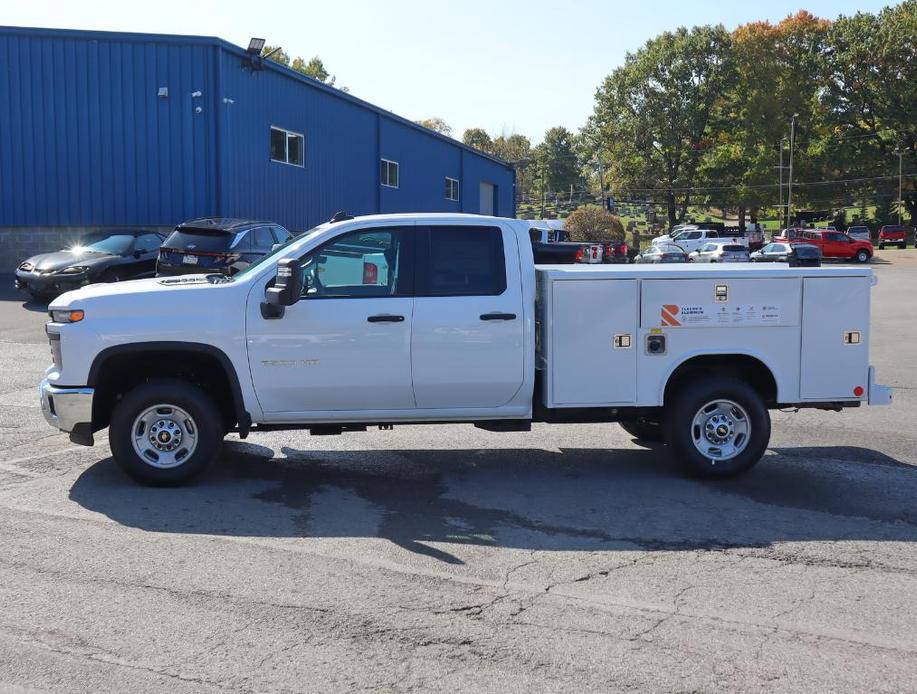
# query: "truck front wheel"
[[164, 432], [717, 427]]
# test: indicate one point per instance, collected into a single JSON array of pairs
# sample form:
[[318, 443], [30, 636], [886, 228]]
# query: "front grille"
[[56, 355]]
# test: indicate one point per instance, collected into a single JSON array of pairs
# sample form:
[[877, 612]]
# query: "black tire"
[[689, 403], [206, 421], [644, 429], [862, 256], [881, 246]]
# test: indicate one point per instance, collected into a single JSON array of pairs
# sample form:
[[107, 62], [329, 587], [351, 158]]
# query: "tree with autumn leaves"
[[697, 117]]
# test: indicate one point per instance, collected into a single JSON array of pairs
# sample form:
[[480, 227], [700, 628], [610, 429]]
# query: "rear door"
[[467, 346]]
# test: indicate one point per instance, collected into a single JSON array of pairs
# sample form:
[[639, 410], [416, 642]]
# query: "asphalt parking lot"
[[448, 558]]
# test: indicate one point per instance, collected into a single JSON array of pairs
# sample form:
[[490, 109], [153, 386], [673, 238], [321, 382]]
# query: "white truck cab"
[[430, 318]]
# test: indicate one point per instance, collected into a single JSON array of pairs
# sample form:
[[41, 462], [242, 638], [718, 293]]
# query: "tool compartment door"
[[835, 338], [587, 368]]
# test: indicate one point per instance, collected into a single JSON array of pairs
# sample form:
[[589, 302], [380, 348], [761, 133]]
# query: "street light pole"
[[789, 192], [900, 153]]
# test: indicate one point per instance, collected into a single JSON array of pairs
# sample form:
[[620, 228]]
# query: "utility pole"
[[543, 189], [602, 181], [780, 184], [900, 153], [789, 192]]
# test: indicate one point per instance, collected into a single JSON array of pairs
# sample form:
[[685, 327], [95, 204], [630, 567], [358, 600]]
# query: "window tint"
[[464, 261], [147, 243], [263, 238], [360, 264], [693, 235]]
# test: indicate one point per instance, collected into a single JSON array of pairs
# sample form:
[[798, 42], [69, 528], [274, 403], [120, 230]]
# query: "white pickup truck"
[[432, 318], [690, 238]]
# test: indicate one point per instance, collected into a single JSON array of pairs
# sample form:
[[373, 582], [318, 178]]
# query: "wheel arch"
[[747, 367], [118, 368]]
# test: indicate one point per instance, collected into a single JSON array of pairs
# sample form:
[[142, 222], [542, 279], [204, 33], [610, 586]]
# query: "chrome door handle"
[[498, 316], [385, 318]]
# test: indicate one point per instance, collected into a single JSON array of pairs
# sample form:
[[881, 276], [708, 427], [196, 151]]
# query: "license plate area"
[[189, 260]]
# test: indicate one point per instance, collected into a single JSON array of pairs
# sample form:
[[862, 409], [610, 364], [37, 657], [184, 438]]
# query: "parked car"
[[106, 256], [662, 254], [217, 245], [719, 252], [789, 234], [617, 252], [860, 233], [694, 237], [798, 254], [894, 234], [836, 244]]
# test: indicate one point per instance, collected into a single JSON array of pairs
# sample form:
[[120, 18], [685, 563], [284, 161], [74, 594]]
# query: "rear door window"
[[461, 261], [147, 243]]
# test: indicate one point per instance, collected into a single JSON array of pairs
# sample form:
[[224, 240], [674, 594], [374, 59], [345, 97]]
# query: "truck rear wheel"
[[862, 255], [165, 432], [644, 429], [717, 427]]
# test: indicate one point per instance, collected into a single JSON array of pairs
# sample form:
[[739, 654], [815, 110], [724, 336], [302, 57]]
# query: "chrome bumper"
[[65, 408]]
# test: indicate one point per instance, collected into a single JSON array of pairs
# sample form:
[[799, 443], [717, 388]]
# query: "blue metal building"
[[110, 129]]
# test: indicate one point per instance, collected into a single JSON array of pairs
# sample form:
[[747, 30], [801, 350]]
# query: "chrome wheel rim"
[[721, 430], [164, 436]]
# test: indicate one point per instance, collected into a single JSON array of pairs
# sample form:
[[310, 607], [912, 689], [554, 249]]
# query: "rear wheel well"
[[120, 372], [741, 366]]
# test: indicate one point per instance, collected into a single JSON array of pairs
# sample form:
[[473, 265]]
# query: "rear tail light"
[[370, 273], [579, 255]]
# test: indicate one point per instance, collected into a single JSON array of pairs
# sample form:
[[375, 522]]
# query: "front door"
[[468, 342], [346, 345]]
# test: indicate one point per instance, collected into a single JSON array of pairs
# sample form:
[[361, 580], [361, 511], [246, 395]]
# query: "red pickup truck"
[[834, 244], [894, 234]]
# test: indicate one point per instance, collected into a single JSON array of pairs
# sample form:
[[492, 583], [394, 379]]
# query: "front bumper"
[[38, 283], [68, 409]]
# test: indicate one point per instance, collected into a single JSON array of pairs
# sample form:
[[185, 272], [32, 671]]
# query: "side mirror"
[[287, 287], [275, 246]]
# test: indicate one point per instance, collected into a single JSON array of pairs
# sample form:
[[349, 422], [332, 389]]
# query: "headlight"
[[73, 270], [26, 266], [66, 315]]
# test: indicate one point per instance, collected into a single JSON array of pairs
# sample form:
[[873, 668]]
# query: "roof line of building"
[[241, 52]]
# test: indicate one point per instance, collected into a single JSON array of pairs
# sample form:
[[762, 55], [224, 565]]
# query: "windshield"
[[116, 244], [276, 252]]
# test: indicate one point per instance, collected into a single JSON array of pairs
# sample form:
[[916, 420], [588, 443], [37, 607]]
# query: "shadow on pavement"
[[573, 499]]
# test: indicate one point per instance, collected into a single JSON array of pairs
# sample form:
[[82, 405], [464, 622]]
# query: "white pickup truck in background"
[[690, 238], [432, 318]]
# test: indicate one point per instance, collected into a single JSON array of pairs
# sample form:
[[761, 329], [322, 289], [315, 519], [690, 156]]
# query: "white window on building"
[[389, 173], [287, 147], [452, 188]]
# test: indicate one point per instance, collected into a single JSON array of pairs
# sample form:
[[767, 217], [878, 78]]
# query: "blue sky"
[[505, 65]]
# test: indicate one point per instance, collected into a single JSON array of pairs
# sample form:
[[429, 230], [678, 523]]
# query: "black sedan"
[[109, 256]]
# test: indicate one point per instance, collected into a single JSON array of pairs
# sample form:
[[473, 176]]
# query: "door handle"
[[385, 318], [498, 316]]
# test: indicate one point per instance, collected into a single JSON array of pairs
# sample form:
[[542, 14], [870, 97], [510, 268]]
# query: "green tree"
[[479, 139], [437, 125], [556, 161], [871, 93], [591, 223], [313, 68], [652, 113]]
